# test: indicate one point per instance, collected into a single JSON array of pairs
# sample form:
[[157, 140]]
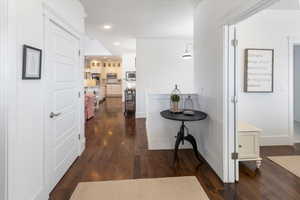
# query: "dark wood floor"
[[117, 149]]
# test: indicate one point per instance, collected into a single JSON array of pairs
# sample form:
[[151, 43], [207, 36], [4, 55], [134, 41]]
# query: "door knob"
[[52, 114]]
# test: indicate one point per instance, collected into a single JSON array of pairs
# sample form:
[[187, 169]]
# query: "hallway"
[[116, 149]]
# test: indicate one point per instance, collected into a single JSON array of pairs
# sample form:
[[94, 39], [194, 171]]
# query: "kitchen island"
[[114, 90]]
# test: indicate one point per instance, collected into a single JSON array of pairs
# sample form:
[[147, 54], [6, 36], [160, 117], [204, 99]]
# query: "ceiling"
[[131, 19], [286, 5]]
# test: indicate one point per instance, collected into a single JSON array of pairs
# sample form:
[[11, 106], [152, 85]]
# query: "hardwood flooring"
[[116, 148]]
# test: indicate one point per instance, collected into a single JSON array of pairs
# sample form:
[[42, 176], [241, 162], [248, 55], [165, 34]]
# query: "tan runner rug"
[[290, 163], [178, 188]]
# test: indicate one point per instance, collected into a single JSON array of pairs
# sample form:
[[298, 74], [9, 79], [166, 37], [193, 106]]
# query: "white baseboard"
[[82, 146], [166, 145], [140, 115], [275, 140], [296, 141]]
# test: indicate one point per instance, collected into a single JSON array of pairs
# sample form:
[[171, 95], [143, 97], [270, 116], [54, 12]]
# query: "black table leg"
[[177, 143], [192, 140], [180, 138]]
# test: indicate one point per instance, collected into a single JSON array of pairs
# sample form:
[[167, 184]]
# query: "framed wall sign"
[[259, 71], [32, 63]]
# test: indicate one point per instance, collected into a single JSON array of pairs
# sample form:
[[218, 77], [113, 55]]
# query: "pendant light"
[[187, 52]]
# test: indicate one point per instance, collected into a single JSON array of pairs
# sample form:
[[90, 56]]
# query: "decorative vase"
[[189, 106], [188, 103], [176, 101], [175, 107]]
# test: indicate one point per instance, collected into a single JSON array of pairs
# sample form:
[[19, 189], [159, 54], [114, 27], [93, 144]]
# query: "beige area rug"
[[178, 188], [290, 163]]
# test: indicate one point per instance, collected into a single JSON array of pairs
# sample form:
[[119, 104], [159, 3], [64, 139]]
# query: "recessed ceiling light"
[[107, 27], [117, 43]]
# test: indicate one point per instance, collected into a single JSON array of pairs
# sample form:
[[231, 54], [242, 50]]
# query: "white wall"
[[159, 67], [268, 29], [210, 84], [26, 114], [161, 132], [3, 130], [297, 83], [128, 64], [94, 48]]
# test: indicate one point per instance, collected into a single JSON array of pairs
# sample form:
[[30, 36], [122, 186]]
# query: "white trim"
[[139, 115], [164, 144], [82, 98], [275, 140], [3, 96], [11, 92], [246, 10], [292, 41], [225, 107]]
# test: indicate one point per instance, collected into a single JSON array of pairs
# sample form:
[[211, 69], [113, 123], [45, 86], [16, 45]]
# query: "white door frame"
[[230, 116], [8, 93], [3, 97], [230, 108], [292, 42], [50, 15]]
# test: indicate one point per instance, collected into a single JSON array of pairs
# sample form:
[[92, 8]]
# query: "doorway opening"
[[265, 59], [296, 87], [108, 79]]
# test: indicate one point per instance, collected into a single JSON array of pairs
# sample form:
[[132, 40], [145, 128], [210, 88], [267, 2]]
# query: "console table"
[[181, 136]]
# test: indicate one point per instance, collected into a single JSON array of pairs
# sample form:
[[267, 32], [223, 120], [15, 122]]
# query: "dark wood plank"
[[116, 149]]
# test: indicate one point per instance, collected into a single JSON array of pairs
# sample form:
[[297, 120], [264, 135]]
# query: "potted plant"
[[175, 98]]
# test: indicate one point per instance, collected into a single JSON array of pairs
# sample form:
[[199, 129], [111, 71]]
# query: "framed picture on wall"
[[259, 71], [32, 63]]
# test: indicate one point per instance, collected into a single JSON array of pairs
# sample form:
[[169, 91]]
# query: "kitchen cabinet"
[[113, 90]]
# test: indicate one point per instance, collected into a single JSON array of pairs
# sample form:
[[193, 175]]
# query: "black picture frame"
[[246, 89], [25, 75]]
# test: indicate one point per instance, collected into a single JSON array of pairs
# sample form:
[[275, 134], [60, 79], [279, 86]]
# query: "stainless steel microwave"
[[111, 76], [131, 76]]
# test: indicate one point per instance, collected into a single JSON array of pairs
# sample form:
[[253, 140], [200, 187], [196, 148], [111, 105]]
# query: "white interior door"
[[63, 101], [232, 105]]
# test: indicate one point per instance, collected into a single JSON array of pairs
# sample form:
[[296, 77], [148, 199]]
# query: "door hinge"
[[234, 99], [79, 137], [235, 156], [235, 42], [79, 53], [79, 94]]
